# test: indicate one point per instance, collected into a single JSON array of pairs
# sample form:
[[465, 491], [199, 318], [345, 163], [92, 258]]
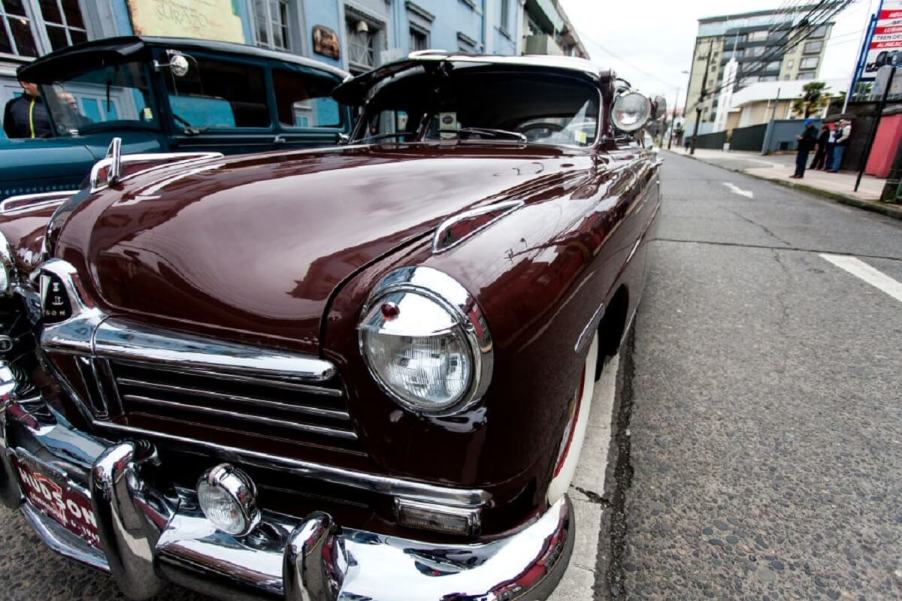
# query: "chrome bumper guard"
[[150, 536]]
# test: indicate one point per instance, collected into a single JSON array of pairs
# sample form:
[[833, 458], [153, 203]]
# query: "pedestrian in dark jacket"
[[807, 139], [26, 116], [820, 155]]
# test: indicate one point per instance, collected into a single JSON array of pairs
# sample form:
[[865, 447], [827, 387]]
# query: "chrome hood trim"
[[89, 331]]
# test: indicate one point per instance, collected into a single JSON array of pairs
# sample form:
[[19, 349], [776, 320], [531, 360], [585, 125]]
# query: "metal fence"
[[714, 141], [748, 138]]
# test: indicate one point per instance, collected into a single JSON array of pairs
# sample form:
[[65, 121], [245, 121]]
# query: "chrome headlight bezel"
[[466, 318]]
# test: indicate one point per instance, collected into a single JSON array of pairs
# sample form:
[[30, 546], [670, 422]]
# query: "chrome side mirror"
[[631, 112], [178, 64], [343, 139]]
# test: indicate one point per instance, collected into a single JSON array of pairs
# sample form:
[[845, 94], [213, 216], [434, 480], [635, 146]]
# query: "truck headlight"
[[425, 341]]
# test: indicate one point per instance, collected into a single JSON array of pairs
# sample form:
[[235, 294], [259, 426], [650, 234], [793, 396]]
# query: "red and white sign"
[[885, 45], [68, 506]]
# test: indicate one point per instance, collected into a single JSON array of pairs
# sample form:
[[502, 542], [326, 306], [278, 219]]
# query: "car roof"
[[353, 90], [122, 49]]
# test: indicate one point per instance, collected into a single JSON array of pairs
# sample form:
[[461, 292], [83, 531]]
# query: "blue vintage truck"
[[161, 95]]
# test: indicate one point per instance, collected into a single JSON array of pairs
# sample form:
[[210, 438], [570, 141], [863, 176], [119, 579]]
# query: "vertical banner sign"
[[884, 43]]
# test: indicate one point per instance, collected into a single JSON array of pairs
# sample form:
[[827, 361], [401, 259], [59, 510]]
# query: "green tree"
[[814, 98]]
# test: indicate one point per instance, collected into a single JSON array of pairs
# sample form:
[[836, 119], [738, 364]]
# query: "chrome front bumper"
[[151, 535]]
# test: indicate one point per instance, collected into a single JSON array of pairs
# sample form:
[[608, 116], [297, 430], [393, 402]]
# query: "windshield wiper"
[[188, 129], [487, 131]]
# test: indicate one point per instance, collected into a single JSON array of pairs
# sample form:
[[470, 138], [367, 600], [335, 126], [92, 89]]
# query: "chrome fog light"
[[228, 498]]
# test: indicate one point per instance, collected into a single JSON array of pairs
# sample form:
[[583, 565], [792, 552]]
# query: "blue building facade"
[[355, 35]]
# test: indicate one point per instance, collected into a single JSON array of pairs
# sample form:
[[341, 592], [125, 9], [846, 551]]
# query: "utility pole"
[[769, 132], [701, 99], [673, 119]]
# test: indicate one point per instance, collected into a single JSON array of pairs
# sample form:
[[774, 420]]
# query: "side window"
[[304, 101], [218, 94]]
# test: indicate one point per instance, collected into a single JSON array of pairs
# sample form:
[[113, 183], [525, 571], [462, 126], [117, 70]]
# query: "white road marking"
[[579, 578], [865, 272], [737, 190]]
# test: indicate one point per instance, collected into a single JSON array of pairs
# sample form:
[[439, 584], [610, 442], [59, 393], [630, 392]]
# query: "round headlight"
[[228, 498], [427, 350], [631, 112]]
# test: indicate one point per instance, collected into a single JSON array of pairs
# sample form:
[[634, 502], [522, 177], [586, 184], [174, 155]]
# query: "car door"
[[220, 104]]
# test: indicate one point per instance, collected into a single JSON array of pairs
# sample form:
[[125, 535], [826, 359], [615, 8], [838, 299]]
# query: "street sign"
[[884, 41]]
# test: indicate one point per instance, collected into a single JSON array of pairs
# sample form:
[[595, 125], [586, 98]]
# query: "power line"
[[628, 63], [791, 42]]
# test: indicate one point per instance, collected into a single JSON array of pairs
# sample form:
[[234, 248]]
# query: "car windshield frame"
[[66, 119], [371, 107]]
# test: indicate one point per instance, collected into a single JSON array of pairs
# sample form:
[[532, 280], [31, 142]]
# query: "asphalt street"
[[764, 453], [759, 422]]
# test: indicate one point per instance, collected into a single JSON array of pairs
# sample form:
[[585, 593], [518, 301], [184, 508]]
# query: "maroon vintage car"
[[361, 372]]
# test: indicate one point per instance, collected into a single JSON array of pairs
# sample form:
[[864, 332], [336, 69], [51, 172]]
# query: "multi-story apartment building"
[[757, 41], [355, 35]]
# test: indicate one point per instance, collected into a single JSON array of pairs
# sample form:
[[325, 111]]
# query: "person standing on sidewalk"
[[820, 155], [26, 116], [807, 140], [842, 135]]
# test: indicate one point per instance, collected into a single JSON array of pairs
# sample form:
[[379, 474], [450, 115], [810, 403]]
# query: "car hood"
[[256, 245]]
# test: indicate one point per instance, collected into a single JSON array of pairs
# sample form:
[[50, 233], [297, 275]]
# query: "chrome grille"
[[266, 406]]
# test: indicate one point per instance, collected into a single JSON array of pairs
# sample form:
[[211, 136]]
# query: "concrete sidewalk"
[[778, 169]]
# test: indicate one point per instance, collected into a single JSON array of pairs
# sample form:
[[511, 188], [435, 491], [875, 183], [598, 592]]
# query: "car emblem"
[[55, 304]]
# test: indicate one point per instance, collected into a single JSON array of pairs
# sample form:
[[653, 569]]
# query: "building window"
[[33, 27], [466, 44], [819, 32], [806, 75], [810, 62], [16, 35], [272, 24], [757, 36], [362, 35], [505, 15], [814, 47], [772, 66], [419, 39]]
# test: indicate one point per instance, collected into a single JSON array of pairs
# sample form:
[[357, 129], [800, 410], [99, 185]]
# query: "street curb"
[[877, 207]]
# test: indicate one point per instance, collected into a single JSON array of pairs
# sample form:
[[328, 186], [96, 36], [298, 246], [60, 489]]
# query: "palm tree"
[[814, 97]]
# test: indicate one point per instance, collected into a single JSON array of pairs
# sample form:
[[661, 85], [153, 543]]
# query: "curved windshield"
[[472, 105], [106, 97]]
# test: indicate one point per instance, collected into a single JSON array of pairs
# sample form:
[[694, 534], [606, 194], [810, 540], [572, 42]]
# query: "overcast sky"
[[650, 42]]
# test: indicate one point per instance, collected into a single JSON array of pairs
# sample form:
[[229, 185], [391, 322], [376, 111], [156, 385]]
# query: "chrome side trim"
[[586, 335], [463, 308], [502, 208], [43, 199], [212, 394], [247, 417], [410, 489], [120, 339]]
